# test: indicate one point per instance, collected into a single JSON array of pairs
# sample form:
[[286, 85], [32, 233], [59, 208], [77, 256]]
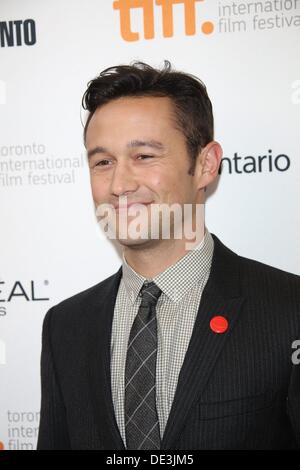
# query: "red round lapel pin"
[[219, 324]]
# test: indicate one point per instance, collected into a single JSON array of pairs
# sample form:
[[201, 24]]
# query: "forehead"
[[132, 114]]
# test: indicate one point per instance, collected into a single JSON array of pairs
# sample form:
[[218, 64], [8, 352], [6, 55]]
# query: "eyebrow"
[[132, 144]]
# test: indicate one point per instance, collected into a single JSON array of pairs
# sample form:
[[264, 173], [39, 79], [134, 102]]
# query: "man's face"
[[140, 155]]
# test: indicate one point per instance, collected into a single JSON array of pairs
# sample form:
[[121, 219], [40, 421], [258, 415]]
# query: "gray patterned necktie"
[[141, 419]]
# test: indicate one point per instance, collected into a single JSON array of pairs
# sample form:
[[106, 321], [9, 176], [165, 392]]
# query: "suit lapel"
[[99, 362], [220, 297]]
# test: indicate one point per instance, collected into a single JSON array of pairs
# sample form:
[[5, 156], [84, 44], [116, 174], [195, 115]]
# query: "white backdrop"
[[247, 53]]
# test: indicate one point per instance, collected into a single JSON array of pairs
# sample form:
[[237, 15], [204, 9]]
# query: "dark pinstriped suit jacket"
[[236, 390]]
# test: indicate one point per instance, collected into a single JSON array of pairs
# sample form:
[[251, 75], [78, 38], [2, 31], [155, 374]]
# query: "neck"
[[155, 256]]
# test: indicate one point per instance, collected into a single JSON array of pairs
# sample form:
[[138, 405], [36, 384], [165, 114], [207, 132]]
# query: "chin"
[[131, 242]]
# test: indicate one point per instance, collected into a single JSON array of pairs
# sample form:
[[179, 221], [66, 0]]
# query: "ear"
[[208, 164]]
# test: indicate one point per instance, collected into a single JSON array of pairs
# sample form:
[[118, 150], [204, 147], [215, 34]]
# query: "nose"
[[123, 180]]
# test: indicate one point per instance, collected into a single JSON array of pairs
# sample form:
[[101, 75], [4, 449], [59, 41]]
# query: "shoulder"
[[81, 305], [261, 274], [253, 270], [273, 295], [266, 288], [88, 294]]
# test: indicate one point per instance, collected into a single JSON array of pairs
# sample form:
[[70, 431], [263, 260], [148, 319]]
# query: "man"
[[188, 345]]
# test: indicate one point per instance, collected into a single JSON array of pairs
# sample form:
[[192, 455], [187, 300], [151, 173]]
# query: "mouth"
[[126, 206]]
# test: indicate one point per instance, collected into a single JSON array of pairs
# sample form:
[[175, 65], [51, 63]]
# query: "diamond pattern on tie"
[[141, 419]]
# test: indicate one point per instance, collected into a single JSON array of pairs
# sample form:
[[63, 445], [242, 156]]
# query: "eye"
[[145, 156], [102, 163]]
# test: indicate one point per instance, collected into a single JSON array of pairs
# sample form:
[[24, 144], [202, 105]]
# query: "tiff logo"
[[125, 7]]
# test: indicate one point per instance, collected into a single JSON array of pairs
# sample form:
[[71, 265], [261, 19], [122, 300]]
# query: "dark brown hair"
[[192, 106]]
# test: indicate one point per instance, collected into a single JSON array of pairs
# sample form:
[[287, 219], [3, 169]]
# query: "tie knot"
[[150, 293]]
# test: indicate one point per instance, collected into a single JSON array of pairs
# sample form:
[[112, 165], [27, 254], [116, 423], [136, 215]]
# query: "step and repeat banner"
[[246, 52]]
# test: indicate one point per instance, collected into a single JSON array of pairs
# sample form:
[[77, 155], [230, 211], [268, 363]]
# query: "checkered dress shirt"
[[182, 285]]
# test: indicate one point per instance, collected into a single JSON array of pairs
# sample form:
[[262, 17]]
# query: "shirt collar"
[[192, 267]]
